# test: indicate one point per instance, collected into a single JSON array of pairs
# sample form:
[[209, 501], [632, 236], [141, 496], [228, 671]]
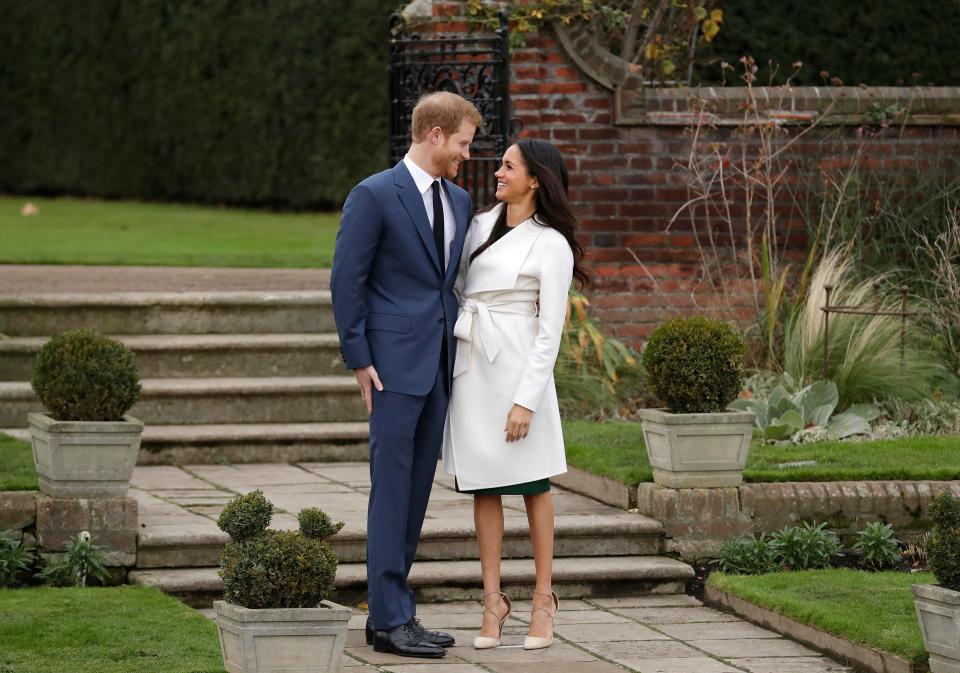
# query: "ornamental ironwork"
[[476, 67]]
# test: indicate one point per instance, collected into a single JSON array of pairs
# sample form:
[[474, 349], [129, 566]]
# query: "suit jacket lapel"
[[412, 202], [462, 221]]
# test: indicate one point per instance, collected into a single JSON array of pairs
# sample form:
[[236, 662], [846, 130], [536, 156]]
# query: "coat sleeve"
[[461, 281], [354, 251], [555, 271]]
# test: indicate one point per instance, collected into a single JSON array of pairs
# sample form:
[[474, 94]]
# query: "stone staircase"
[[231, 378], [226, 376]]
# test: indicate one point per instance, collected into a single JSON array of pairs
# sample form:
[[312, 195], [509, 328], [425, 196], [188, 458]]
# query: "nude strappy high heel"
[[486, 642], [535, 642]]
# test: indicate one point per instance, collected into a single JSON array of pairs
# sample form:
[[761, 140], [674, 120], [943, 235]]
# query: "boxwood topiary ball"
[[943, 545], [81, 375], [246, 516], [316, 524], [694, 365]]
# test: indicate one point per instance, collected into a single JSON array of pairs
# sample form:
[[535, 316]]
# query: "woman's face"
[[514, 183]]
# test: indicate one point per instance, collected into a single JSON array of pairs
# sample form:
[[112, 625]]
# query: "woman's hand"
[[518, 423]]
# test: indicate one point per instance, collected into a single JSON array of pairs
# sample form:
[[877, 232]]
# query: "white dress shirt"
[[425, 184]]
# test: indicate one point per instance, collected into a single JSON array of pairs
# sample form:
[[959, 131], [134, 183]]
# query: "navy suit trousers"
[[406, 433]]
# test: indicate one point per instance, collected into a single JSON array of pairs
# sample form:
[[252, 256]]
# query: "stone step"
[[303, 399], [201, 355], [573, 577], [616, 534], [246, 443], [168, 313]]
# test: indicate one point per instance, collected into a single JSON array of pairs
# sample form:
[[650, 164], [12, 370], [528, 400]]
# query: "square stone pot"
[[84, 459], [282, 640], [697, 450], [938, 611]]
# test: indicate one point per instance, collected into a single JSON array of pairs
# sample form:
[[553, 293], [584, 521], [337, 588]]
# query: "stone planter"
[[938, 611], [697, 450], [282, 640], [84, 459]]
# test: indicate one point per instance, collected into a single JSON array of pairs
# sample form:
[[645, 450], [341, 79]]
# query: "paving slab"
[[552, 667], [673, 615], [791, 665], [646, 601], [626, 650], [680, 665], [607, 632], [738, 630], [762, 647]]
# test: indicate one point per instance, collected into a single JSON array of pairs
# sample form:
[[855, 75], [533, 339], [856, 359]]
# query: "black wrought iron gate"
[[475, 67]]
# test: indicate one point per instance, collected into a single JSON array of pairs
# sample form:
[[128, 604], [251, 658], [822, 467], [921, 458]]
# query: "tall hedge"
[[269, 102], [875, 43]]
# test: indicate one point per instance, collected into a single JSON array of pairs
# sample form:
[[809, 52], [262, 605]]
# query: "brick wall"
[[626, 146]]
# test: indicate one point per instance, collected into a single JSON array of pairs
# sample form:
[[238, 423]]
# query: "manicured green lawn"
[[17, 472], [874, 609], [104, 630], [616, 450], [76, 231]]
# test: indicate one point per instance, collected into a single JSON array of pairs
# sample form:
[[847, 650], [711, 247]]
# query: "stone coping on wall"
[[636, 103]]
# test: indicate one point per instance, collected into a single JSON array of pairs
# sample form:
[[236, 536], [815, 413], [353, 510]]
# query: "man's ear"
[[436, 135]]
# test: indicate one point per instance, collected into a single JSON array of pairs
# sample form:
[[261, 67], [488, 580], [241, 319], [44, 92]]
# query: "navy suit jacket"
[[392, 301]]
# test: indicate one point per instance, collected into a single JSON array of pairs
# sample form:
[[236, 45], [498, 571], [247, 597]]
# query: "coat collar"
[[498, 267]]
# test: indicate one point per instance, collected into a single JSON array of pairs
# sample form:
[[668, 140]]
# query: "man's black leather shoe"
[[432, 637], [405, 641]]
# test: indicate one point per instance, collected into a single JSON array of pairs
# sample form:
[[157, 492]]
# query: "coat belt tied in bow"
[[475, 317]]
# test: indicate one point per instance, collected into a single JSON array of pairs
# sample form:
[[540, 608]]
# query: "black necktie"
[[438, 223]]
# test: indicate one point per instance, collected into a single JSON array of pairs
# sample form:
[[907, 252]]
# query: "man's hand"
[[367, 378], [518, 423]]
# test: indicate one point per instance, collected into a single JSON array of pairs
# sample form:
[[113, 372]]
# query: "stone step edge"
[[586, 525], [173, 299], [238, 432], [280, 385], [461, 573], [146, 343]]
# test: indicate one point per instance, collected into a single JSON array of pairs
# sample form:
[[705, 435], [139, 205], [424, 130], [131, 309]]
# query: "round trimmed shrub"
[[694, 365], [316, 524], [81, 375], [263, 568], [246, 516], [943, 545]]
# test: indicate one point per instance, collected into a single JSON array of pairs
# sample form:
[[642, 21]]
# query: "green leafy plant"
[[597, 375], [807, 546], [81, 375], [14, 559], [82, 564], [266, 568], [943, 542], [781, 416], [864, 350], [750, 555], [694, 365], [877, 546]]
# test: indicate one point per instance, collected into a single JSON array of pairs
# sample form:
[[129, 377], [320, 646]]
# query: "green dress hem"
[[526, 488]]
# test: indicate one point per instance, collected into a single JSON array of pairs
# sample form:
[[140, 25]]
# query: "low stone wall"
[[47, 524], [698, 520]]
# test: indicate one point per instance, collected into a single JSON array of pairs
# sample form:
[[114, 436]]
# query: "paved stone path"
[[648, 634]]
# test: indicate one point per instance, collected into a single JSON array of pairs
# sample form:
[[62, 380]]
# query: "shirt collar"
[[420, 177]]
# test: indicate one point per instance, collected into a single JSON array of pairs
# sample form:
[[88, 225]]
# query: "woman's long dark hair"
[[551, 209]]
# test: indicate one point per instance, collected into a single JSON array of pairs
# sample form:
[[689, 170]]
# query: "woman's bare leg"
[[540, 518], [488, 519]]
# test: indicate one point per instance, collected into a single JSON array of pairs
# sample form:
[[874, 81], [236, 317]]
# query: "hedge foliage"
[[943, 544], [873, 43], [248, 102], [694, 365], [81, 375]]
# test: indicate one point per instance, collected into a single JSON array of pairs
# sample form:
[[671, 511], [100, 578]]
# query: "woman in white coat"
[[503, 434]]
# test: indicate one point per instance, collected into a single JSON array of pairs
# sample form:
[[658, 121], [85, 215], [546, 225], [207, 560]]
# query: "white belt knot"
[[475, 317]]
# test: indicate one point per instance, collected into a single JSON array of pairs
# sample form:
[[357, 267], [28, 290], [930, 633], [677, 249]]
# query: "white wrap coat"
[[506, 350]]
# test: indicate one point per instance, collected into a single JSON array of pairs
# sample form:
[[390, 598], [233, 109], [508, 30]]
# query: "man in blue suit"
[[394, 265]]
